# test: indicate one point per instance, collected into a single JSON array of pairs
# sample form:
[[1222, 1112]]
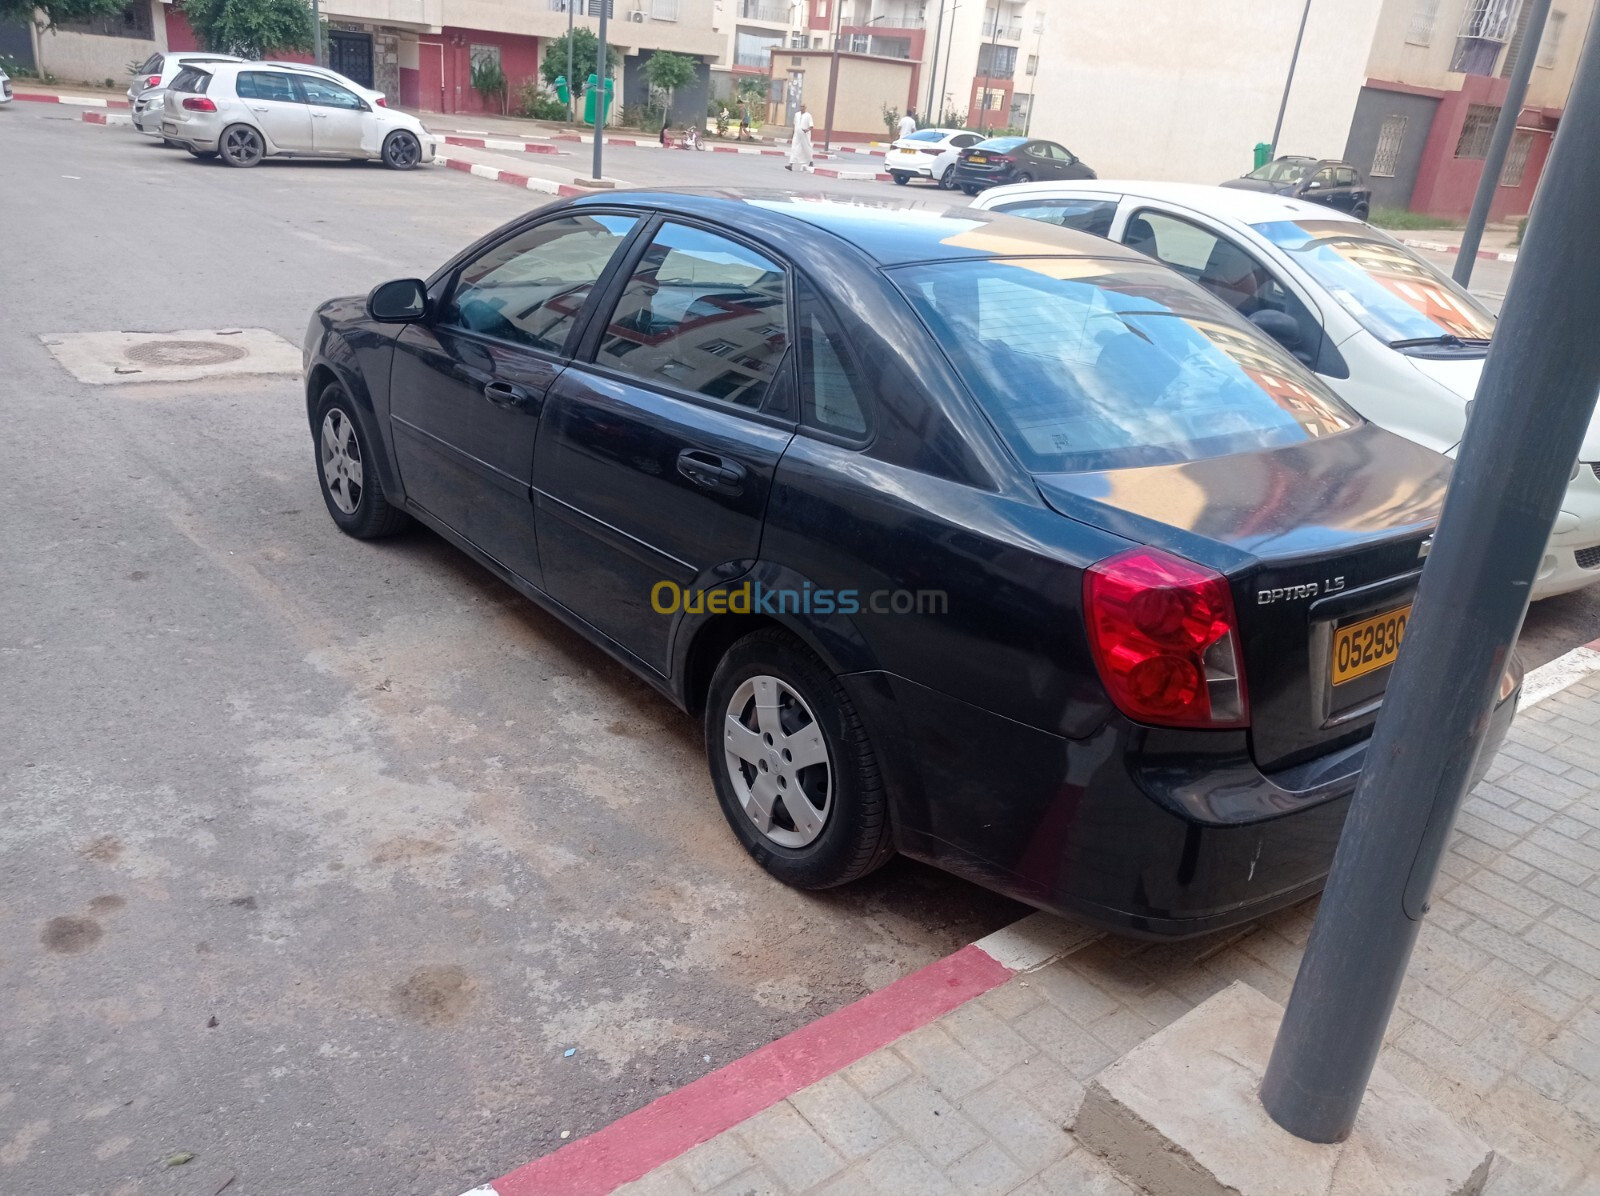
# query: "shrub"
[[535, 102], [489, 81]]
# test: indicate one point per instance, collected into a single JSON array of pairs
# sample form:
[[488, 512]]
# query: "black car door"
[[468, 385], [659, 444], [1322, 187]]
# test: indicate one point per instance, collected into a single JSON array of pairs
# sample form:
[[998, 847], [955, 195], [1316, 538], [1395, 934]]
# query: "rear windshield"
[[189, 79], [925, 135], [1000, 145], [1090, 365]]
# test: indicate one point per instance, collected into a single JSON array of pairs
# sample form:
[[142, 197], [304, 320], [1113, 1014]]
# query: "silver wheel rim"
[[777, 760], [241, 145], [341, 461], [947, 179], [404, 150]]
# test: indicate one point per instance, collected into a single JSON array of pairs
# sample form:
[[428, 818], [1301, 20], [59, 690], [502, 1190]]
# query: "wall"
[[452, 48], [1170, 89], [689, 103], [16, 42], [691, 33], [74, 57], [866, 86], [1373, 108], [1446, 183]]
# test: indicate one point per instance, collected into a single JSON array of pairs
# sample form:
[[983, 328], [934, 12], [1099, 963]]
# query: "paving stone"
[[1523, 952], [1065, 1041], [1546, 936], [755, 1183], [943, 1062], [1544, 1075], [1548, 861], [714, 1162], [930, 1120], [1013, 998], [1512, 894], [1120, 976], [1553, 841], [1083, 1173], [1074, 993], [877, 1072], [1123, 1030], [900, 1169], [1450, 1019], [845, 1119], [1480, 904], [987, 1171], [1048, 1087], [1445, 1056], [787, 1145], [1030, 1137], [987, 1036], [663, 1181]]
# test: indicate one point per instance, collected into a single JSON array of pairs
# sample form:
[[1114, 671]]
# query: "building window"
[[1387, 156], [663, 10], [484, 55], [1033, 64], [1550, 43], [753, 47], [1423, 15], [133, 21], [992, 100], [798, 41], [592, 8], [1476, 131], [1486, 27], [996, 62], [1516, 158]]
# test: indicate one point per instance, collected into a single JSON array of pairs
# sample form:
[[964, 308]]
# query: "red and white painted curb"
[[81, 101], [528, 182], [830, 172], [1486, 255], [672, 1124], [1564, 671], [107, 118], [518, 146]]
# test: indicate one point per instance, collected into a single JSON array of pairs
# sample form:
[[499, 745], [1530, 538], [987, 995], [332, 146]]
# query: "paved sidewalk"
[[1498, 1023], [1497, 243]]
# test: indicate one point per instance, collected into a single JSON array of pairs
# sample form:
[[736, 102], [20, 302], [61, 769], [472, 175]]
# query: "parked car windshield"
[[1392, 293], [1089, 365], [1283, 170]]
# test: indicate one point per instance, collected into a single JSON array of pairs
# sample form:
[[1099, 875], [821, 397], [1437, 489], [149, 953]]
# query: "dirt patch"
[[109, 904], [107, 849], [70, 936], [405, 849], [435, 996]]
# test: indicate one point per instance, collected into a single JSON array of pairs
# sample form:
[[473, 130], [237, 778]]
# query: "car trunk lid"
[[1322, 544]]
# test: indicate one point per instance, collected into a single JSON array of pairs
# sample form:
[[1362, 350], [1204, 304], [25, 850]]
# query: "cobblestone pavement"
[[1498, 1023]]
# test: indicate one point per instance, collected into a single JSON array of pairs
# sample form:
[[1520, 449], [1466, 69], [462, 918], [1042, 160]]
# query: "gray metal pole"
[[994, 41], [1510, 478], [1495, 161], [1288, 82], [316, 32], [600, 99], [931, 115], [954, 8], [572, 84]]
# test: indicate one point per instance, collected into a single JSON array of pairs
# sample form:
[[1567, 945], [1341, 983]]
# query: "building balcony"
[[1004, 33], [777, 12]]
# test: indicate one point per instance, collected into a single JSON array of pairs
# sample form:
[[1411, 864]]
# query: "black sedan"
[[1317, 180], [964, 536], [1002, 160]]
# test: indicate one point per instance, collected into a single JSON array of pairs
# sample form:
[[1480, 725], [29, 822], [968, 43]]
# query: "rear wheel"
[[947, 180], [794, 770], [347, 469], [1360, 212], [968, 189], [900, 180], [401, 150], [1023, 178], [242, 146]]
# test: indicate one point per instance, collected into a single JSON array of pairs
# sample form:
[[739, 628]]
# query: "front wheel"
[[242, 146], [900, 180], [793, 767], [1023, 178], [401, 150], [347, 469]]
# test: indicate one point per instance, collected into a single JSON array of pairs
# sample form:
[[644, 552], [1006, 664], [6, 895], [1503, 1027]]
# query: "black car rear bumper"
[[979, 176], [1146, 833]]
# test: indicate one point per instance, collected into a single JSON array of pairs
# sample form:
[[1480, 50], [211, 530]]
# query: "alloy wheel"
[[342, 473], [403, 151], [242, 146], [778, 761]]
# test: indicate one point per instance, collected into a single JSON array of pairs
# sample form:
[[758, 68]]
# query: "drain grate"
[[183, 353]]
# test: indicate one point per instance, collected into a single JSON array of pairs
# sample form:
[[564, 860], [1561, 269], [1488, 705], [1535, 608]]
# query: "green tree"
[[249, 28], [56, 12], [667, 72], [585, 45]]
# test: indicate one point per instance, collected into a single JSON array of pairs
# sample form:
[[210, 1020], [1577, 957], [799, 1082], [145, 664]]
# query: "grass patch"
[[1404, 219]]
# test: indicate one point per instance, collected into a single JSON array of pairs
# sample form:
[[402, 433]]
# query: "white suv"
[[248, 111]]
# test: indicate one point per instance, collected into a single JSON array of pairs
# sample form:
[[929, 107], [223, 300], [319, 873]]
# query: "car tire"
[[1024, 177], [969, 189], [203, 155], [947, 180], [401, 150], [347, 471], [900, 180], [847, 835], [242, 146], [1360, 212]]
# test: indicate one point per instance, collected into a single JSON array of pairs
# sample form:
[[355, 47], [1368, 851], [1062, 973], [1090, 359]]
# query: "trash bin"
[[590, 87], [1263, 154], [562, 93]]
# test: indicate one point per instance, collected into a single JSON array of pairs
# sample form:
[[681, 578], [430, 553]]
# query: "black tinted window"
[[701, 313], [189, 79], [266, 85], [1085, 215], [831, 390], [530, 289], [1085, 365]]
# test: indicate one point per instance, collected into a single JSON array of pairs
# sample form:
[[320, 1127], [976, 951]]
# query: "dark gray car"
[[1318, 180]]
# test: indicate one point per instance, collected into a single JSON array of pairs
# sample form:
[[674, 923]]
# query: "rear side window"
[[266, 85], [1085, 215], [832, 394], [1086, 365], [701, 313], [1346, 176], [189, 79]]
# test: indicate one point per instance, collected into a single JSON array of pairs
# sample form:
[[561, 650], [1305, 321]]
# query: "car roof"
[[890, 232], [1232, 203]]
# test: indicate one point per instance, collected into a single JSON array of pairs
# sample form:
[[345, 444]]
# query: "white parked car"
[[5, 88], [928, 154], [152, 78], [1393, 336], [244, 112], [306, 68]]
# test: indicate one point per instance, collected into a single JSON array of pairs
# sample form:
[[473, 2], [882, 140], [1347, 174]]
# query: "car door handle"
[[711, 472], [319, 116], [259, 108], [503, 394]]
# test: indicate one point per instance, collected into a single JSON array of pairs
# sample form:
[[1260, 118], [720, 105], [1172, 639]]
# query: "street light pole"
[[928, 116], [1511, 475], [572, 89], [316, 33], [600, 99], [945, 78], [833, 75], [1495, 161], [988, 71], [1288, 81]]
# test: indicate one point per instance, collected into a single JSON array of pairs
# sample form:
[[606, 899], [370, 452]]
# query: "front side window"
[[1392, 293], [1085, 215], [266, 85], [701, 313], [530, 289], [324, 93], [1090, 365], [1282, 171], [1324, 178]]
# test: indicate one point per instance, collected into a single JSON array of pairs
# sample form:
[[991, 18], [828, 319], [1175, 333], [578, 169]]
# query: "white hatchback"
[[1395, 338], [244, 112], [928, 154]]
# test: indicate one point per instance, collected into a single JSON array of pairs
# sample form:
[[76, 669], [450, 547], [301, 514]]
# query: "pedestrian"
[[800, 144], [908, 123], [744, 123]]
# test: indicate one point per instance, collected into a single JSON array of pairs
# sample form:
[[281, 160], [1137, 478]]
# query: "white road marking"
[[1035, 941]]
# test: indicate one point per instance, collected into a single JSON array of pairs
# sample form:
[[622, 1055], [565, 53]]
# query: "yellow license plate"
[[978, 160], [1367, 646]]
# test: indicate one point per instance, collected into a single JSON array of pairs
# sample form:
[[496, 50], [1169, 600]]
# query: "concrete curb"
[[82, 101], [659, 1132], [107, 118], [1486, 255], [501, 143], [831, 172], [527, 182]]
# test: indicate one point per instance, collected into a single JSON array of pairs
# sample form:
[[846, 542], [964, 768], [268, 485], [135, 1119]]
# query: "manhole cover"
[[183, 353]]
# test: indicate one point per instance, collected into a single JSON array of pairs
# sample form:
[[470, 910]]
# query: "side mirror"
[[1313, 185], [398, 302], [1281, 327]]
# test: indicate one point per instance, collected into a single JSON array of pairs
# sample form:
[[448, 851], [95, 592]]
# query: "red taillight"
[[381, 102], [199, 104], [1166, 640], [935, 151], [153, 81]]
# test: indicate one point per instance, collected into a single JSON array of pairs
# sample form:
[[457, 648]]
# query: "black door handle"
[[711, 471], [503, 394]]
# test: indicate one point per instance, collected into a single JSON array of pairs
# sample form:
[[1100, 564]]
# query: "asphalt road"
[[318, 856]]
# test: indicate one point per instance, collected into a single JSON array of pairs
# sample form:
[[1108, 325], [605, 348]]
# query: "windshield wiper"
[[1448, 339]]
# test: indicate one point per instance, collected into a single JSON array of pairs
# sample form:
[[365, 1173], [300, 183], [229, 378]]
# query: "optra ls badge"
[[1300, 593]]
